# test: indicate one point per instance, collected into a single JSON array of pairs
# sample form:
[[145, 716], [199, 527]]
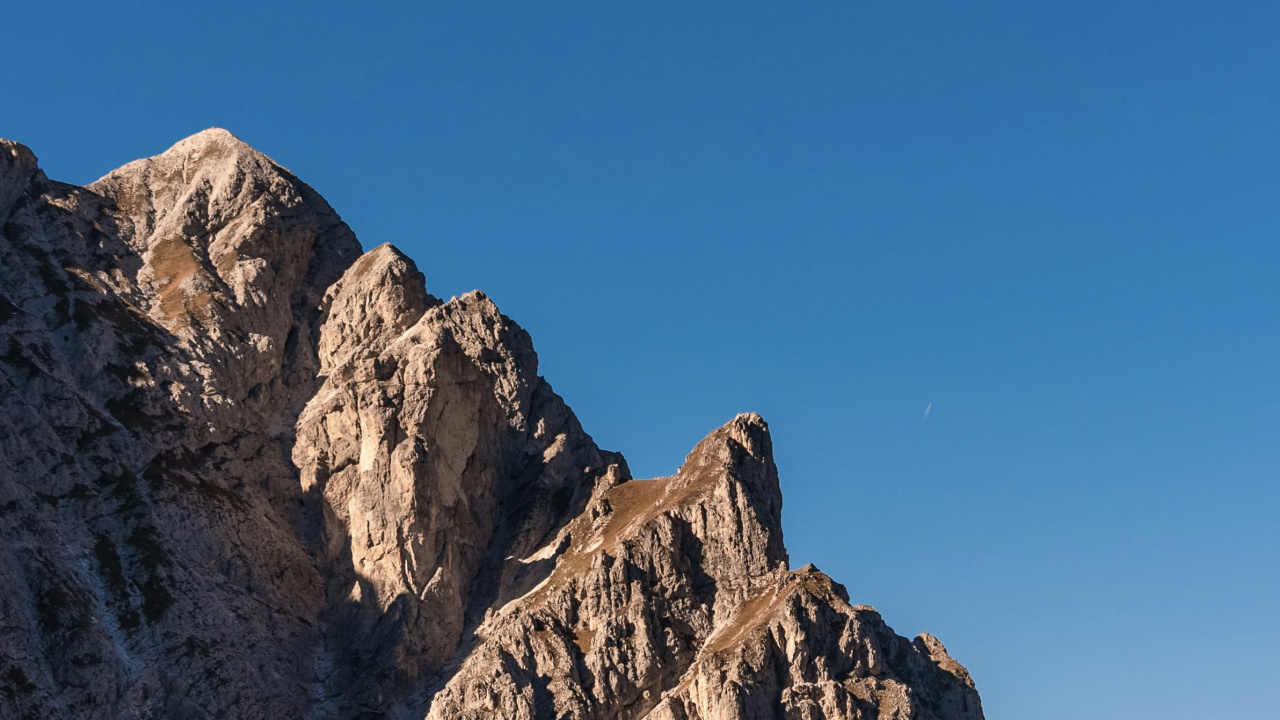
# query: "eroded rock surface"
[[247, 471]]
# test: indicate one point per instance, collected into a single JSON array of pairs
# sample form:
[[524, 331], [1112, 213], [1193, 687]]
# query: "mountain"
[[248, 470]]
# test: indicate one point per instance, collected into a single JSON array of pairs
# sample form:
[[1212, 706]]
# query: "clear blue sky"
[[1054, 222]]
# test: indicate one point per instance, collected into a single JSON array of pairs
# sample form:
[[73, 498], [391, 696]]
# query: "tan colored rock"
[[799, 650], [438, 452], [670, 600], [246, 471]]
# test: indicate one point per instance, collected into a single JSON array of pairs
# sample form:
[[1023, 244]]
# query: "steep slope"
[[247, 471], [157, 337]]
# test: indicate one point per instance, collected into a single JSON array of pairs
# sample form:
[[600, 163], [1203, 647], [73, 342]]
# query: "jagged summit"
[[225, 235], [215, 149], [376, 300], [247, 470], [212, 138], [212, 135]]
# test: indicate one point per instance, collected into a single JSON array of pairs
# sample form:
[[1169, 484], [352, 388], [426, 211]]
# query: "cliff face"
[[248, 471]]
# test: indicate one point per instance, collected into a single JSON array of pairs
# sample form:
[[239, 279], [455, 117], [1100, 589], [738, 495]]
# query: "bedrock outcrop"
[[248, 470]]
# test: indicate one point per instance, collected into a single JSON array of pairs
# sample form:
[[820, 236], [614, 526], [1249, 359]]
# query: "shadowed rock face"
[[248, 471]]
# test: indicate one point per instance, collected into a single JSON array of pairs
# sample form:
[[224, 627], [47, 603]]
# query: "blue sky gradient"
[[1056, 223]]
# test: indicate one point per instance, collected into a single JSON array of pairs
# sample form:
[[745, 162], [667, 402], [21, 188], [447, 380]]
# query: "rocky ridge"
[[248, 471]]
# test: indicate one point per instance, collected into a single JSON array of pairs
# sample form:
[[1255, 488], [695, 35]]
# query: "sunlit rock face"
[[250, 471]]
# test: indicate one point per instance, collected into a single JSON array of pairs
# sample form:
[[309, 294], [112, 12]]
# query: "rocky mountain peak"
[[741, 449], [224, 231], [214, 163], [214, 136], [248, 471], [379, 297], [214, 156]]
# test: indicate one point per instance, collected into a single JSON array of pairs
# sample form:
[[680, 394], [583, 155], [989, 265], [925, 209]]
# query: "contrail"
[[926, 411]]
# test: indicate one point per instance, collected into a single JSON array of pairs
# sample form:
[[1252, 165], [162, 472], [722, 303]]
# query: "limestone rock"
[[247, 471], [437, 452], [799, 650], [670, 600]]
